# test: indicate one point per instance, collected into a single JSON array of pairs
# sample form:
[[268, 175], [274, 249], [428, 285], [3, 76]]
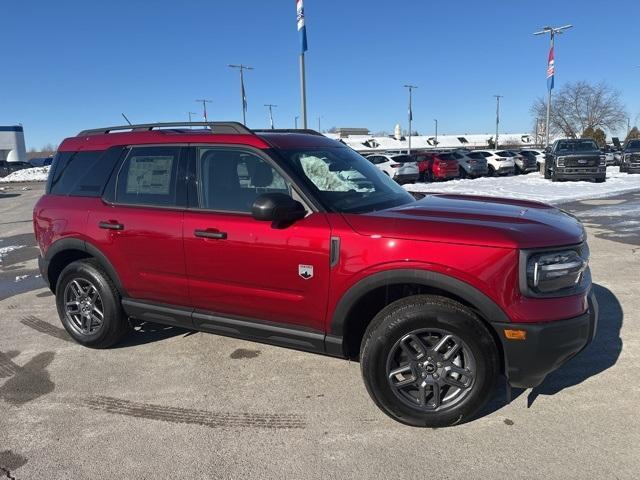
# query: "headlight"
[[603, 160], [555, 273], [561, 161]]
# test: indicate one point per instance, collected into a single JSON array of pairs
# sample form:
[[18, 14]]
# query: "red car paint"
[[432, 167]]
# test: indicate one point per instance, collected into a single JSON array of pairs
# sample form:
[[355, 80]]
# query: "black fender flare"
[[84, 246], [487, 308]]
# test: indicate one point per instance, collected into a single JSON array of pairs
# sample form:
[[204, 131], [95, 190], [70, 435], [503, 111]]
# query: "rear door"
[[138, 226], [241, 267]]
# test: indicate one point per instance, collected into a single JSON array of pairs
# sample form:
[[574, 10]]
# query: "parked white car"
[[537, 154], [497, 164], [402, 168]]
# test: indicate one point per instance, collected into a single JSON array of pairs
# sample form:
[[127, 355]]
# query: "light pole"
[[498, 97], [204, 102], [270, 106], [551, 69], [410, 87], [319, 129], [191, 113], [243, 95], [436, 137], [295, 121]]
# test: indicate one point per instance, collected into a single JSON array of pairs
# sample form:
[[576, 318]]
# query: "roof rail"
[[215, 127], [307, 131]]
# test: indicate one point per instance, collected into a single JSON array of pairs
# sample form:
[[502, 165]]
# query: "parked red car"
[[294, 239], [437, 166]]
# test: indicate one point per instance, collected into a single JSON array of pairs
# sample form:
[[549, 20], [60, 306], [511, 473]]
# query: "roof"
[[231, 133]]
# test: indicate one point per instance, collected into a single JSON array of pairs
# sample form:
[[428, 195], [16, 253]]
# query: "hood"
[[474, 220]]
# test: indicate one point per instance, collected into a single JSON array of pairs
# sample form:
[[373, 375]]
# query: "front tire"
[[89, 305], [428, 361]]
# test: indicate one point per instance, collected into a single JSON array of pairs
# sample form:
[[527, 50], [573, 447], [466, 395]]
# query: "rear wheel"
[[428, 361], [492, 171], [463, 173], [89, 305]]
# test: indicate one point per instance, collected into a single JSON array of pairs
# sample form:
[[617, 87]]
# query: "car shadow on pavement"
[[147, 332], [600, 355]]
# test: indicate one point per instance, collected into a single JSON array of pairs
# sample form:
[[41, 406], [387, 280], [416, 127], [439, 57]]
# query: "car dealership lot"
[[170, 402]]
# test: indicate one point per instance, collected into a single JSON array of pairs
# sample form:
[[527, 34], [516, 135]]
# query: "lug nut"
[[439, 364], [435, 375]]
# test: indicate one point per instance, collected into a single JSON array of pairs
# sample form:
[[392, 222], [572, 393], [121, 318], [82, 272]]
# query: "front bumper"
[[547, 346], [506, 170], [576, 173]]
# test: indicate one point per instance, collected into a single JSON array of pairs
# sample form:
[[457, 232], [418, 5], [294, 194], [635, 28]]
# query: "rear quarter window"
[[82, 174]]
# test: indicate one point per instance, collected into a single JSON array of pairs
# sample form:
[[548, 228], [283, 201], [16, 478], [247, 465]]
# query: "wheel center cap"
[[430, 367]]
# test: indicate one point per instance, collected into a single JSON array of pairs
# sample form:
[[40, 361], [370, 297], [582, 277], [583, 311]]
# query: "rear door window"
[[148, 176]]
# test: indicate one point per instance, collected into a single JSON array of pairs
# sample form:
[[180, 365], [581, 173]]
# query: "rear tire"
[[89, 305], [445, 360], [491, 171]]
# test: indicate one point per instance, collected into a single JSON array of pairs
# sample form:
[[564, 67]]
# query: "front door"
[[241, 267]]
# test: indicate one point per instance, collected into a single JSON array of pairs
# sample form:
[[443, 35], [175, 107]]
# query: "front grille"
[[582, 162]]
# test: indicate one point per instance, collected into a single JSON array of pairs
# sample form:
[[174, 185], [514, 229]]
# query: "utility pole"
[[295, 121], [436, 138], [498, 97], [319, 129], [410, 87], [551, 68], [270, 106], [204, 102], [243, 94], [190, 114]]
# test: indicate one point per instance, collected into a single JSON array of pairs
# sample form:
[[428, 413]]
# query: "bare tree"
[[581, 105]]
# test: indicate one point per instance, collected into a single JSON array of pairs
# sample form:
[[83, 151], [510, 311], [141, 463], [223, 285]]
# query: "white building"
[[370, 143], [12, 148]]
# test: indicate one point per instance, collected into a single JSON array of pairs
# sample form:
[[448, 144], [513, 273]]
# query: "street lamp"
[[410, 87], [204, 102], [498, 97], [551, 68], [270, 107], [191, 113], [295, 121], [319, 129], [243, 95]]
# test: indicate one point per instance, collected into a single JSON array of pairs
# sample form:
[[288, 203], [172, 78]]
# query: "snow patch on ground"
[[19, 278], [533, 186], [5, 250], [36, 174]]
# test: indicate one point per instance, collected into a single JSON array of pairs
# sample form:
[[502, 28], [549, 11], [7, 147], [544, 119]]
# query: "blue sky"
[[70, 65]]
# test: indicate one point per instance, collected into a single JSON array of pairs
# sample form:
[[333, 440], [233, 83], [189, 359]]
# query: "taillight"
[[395, 165]]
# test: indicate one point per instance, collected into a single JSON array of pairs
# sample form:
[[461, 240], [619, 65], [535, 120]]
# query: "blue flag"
[[302, 29]]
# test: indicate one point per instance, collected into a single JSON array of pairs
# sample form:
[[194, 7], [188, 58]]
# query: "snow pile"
[[37, 174], [533, 186], [5, 250]]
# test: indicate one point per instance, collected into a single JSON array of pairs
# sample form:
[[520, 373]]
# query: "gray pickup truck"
[[575, 159], [630, 162]]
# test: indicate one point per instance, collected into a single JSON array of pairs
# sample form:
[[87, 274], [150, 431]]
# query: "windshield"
[[344, 181], [633, 144], [402, 159], [577, 146]]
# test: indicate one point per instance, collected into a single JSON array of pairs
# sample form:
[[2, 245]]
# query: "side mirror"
[[547, 150], [277, 208]]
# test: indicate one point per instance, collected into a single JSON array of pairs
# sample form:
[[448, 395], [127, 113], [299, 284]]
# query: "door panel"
[[239, 266], [140, 229]]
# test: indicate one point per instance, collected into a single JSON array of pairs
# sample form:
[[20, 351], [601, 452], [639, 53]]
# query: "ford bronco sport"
[[293, 239]]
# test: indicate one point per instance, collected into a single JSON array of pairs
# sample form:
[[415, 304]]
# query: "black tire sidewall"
[[114, 321], [427, 313]]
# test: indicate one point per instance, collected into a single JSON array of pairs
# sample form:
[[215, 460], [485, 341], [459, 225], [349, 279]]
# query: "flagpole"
[[551, 70], [302, 30], [303, 92], [243, 95], [549, 89], [410, 87]]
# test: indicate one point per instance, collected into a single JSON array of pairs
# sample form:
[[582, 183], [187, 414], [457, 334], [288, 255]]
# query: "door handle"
[[111, 225], [211, 234]]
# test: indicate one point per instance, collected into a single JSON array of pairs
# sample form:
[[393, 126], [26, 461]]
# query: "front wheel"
[[428, 361], [89, 305]]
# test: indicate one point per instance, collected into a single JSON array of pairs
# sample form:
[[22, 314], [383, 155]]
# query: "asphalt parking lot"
[[170, 403]]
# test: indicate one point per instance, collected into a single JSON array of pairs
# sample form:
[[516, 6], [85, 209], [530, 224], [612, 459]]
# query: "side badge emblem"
[[305, 271]]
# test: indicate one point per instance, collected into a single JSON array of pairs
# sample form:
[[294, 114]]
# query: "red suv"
[[293, 239], [437, 166]]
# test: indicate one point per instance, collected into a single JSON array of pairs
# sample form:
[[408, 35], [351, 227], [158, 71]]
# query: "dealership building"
[[12, 148]]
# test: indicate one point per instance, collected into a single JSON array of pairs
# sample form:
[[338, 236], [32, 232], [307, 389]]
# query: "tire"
[[601, 180], [463, 173], [429, 318], [547, 173], [79, 283], [491, 171], [624, 169]]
